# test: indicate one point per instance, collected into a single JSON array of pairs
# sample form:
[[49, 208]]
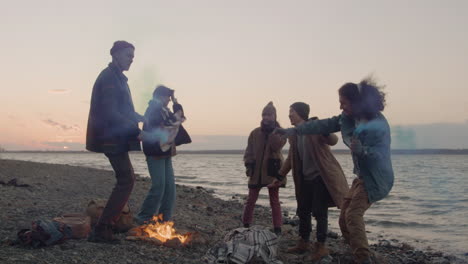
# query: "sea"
[[427, 207]]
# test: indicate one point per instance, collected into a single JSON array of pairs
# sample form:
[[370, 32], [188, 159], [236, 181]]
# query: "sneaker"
[[277, 231]]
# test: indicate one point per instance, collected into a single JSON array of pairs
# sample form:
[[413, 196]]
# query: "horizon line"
[[240, 151]]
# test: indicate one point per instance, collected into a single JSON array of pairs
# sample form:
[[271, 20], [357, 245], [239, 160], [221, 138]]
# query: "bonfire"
[[160, 233]]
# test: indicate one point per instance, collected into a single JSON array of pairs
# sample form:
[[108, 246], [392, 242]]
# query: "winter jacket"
[[330, 170], [159, 118], [373, 164], [112, 121], [263, 158]]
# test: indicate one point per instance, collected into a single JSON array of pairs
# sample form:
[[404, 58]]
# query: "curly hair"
[[367, 98]]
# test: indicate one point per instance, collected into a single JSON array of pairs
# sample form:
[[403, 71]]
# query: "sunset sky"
[[228, 59]]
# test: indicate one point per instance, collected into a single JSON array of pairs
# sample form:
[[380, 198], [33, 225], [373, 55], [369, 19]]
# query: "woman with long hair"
[[366, 132]]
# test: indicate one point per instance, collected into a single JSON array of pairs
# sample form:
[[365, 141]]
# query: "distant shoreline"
[[241, 151]]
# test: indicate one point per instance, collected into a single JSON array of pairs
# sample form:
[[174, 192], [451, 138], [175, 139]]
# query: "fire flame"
[[163, 231]]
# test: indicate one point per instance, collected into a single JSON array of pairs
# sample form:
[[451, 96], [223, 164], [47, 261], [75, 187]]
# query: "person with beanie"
[[113, 130], [161, 134], [319, 182], [263, 159]]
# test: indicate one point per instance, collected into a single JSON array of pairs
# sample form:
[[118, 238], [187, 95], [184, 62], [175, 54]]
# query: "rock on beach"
[[45, 191]]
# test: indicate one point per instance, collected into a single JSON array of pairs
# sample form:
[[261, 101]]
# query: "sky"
[[227, 59]]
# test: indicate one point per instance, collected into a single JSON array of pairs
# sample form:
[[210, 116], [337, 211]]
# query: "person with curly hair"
[[365, 130]]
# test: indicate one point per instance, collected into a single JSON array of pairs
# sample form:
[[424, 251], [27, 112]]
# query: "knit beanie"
[[120, 45], [269, 109], [162, 90], [302, 109]]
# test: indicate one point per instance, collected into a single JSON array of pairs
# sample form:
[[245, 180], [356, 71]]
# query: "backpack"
[[44, 233]]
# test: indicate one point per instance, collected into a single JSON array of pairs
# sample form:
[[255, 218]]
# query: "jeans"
[[351, 220], [247, 216], [162, 194], [123, 188], [313, 200]]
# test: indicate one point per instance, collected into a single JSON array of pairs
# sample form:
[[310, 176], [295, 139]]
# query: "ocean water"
[[427, 207]]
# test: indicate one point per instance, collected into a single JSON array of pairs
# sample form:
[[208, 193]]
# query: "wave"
[[387, 223]]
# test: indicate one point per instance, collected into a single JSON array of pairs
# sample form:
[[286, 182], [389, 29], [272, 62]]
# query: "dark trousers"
[[123, 188], [313, 200]]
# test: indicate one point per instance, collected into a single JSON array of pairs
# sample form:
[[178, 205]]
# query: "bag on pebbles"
[[123, 224]]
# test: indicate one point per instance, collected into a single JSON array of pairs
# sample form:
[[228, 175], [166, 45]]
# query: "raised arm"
[[276, 142], [320, 126]]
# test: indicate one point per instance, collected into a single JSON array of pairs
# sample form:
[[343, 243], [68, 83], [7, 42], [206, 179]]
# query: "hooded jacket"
[[157, 118]]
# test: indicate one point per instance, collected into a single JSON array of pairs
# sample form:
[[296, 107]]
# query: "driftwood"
[[14, 182]]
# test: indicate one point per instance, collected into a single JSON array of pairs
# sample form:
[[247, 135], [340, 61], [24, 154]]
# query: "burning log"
[[159, 233], [146, 239]]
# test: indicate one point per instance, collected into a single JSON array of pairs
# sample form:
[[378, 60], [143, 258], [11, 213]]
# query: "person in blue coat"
[[365, 130]]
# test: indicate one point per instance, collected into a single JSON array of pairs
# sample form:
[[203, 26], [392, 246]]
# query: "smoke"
[[156, 135], [430, 136], [403, 138], [143, 86]]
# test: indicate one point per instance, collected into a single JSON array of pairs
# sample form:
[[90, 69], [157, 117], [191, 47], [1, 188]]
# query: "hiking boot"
[[301, 247], [103, 234], [320, 251]]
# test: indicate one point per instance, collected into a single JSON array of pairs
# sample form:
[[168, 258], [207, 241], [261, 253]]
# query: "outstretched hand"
[[285, 132]]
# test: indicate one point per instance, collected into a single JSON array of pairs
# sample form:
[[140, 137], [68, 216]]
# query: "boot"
[[320, 251], [277, 231], [103, 233], [301, 247]]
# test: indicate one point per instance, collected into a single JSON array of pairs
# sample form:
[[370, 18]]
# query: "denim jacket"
[[373, 164]]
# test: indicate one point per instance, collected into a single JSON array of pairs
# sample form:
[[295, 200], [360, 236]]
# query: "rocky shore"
[[32, 191]]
